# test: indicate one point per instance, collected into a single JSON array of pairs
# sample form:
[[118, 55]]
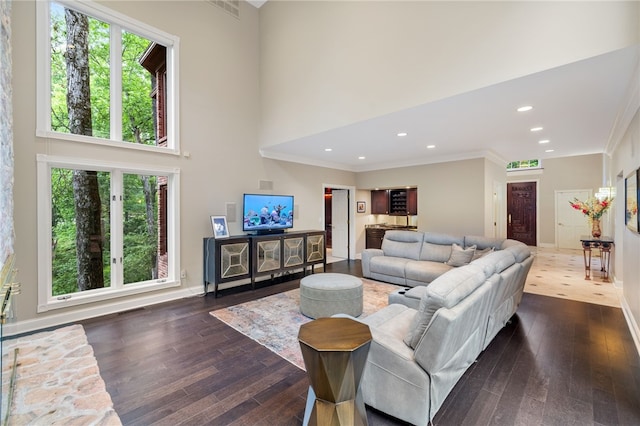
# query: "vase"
[[595, 228]]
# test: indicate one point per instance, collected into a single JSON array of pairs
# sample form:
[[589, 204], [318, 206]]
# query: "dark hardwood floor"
[[559, 362]]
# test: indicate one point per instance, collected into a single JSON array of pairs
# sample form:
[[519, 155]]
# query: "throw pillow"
[[428, 307], [479, 253], [460, 256]]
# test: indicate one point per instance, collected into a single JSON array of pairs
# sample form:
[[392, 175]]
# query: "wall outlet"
[[183, 274]]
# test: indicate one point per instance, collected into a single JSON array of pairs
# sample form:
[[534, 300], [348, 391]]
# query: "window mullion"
[[115, 60], [117, 222]]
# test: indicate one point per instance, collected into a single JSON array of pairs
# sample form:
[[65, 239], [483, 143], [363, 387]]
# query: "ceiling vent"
[[232, 7]]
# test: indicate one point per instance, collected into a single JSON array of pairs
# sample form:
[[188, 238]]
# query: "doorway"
[[338, 222], [570, 223], [522, 212]]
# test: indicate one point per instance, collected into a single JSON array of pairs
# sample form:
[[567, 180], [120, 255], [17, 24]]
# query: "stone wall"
[[6, 134]]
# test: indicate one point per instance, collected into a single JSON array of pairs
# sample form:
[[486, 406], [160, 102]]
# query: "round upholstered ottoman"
[[327, 294]]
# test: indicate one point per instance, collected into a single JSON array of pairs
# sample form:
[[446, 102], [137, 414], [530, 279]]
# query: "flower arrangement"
[[593, 208]]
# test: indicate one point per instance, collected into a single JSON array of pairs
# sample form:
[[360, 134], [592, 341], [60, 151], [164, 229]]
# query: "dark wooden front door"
[[521, 212]]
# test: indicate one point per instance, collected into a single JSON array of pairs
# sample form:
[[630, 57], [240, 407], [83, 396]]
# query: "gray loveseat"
[[425, 341]]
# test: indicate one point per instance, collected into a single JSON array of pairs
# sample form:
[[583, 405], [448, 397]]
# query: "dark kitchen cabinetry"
[[395, 201], [398, 201], [412, 201], [374, 237], [380, 201]]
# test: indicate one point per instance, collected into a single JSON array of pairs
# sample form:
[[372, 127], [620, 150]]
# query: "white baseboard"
[[52, 320], [633, 325], [547, 245]]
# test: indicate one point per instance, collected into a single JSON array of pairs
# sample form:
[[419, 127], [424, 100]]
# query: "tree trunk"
[[89, 239], [86, 194]]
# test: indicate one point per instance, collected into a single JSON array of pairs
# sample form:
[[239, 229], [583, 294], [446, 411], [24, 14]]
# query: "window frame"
[[539, 166], [118, 22], [117, 287]]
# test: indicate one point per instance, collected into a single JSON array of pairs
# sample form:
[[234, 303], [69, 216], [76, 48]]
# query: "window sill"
[[69, 137], [99, 295]]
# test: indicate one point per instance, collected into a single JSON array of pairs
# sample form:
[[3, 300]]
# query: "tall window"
[[104, 229], [106, 78], [104, 222]]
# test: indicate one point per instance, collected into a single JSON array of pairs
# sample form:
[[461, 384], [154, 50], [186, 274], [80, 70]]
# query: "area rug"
[[57, 381], [274, 321]]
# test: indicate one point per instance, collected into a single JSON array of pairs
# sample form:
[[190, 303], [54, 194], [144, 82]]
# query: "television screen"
[[267, 213]]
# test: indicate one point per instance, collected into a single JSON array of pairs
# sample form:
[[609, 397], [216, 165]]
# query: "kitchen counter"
[[374, 234]]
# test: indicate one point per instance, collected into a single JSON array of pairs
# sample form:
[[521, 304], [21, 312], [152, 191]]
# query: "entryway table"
[[604, 244]]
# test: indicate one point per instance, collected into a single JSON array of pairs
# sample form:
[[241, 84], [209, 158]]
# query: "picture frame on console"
[[361, 206], [219, 225], [631, 198]]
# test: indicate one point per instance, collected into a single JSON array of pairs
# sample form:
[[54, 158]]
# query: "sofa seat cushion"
[[394, 320], [424, 271], [388, 265], [445, 291]]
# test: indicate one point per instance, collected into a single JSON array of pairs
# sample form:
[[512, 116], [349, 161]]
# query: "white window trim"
[[43, 80], [48, 302]]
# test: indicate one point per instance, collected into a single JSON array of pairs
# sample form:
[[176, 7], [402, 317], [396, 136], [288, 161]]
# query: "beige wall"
[[451, 196], [219, 110], [367, 59], [567, 173], [624, 160]]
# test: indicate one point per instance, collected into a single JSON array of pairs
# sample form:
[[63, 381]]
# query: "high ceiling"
[[577, 106]]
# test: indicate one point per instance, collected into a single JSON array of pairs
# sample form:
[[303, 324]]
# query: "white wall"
[[370, 58]]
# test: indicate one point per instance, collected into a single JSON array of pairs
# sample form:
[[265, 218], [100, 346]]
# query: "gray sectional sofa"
[[434, 329]]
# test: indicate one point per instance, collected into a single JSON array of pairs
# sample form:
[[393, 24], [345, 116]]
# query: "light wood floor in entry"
[[561, 273]]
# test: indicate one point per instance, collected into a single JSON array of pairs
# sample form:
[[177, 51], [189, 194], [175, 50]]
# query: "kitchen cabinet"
[[380, 201], [374, 237], [412, 201]]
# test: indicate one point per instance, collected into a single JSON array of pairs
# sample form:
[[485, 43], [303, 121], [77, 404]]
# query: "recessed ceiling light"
[[401, 134], [549, 150], [361, 157], [544, 141], [430, 146], [525, 108], [536, 129], [328, 149]]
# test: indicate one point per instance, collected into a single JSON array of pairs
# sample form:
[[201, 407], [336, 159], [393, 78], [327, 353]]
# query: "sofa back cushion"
[[495, 262], [483, 242], [405, 244], [446, 291], [437, 247], [519, 251]]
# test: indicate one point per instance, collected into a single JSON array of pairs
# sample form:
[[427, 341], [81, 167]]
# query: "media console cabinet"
[[250, 256]]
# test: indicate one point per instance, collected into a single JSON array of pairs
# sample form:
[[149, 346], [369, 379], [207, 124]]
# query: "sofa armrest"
[[367, 255]]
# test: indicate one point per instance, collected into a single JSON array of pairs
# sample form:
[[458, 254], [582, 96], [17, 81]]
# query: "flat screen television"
[[266, 214]]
